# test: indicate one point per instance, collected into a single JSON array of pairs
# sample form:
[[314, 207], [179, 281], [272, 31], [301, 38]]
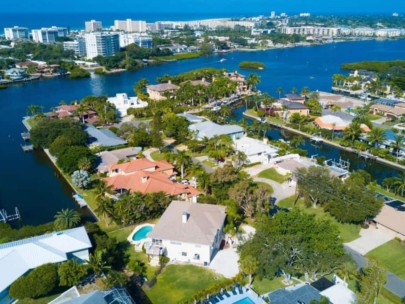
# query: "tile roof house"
[[386, 110], [336, 123], [19, 257], [189, 233], [392, 217], [157, 92], [210, 129], [64, 111], [141, 175], [113, 157]]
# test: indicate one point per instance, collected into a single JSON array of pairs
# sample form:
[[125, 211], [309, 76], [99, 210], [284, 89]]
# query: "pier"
[[27, 148], [5, 217], [80, 200], [25, 136]]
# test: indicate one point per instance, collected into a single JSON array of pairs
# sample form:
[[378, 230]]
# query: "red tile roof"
[[140, 165], [149, 182]]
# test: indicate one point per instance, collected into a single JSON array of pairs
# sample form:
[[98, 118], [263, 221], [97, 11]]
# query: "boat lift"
[[5, 217]]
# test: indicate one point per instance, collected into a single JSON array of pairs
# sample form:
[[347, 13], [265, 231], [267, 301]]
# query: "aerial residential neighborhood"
[[202, 153]]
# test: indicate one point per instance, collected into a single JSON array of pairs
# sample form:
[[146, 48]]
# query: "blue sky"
[[209, 6]]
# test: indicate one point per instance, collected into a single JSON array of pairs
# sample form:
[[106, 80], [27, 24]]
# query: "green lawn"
[[392, 256], [157, 155], [209, 163], [121, 235], [180, 282], [288, 202], [273, 175], [266, 285], [266, 186]]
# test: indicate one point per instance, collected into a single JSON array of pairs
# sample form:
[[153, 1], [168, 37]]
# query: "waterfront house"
[[161, 91], [295, 98], [337, 123], [239, 79], [123, 103], [142, 175], [393, 112], [19, 257], [16, 73], [188, 233], [256, 151], [392, 217], [285, 109], [89, 116], [113, 157], [103, 137], [210, 129]]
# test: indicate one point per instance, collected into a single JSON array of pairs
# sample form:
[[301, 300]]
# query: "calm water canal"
[[29, 181]]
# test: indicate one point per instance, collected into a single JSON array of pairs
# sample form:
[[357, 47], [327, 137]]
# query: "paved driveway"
[[225, 263], [370, 239]]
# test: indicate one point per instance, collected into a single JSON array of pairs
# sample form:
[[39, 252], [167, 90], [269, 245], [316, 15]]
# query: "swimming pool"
[[142, 233], [244, 301]]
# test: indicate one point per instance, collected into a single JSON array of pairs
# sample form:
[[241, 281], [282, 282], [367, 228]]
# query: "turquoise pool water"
[[244, 301], [142, 233]]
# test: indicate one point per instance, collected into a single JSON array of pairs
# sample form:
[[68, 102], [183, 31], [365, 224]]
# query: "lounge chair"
[[233, 289], [220, 297], [226, 293]]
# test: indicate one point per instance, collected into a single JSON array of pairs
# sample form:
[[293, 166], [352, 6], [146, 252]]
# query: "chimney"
[[144, 179], [169, 82], [184, 217]]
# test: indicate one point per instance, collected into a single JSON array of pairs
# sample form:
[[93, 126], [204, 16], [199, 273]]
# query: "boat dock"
[[316, 139], [27, 148], [80, 200], [26, 136], [367, 155], [5, 217]]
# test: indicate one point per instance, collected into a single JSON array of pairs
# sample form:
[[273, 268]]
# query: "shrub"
[[70, 273], [68, 160], [81, 179], [38, 283], [78, 73], [252, 65]]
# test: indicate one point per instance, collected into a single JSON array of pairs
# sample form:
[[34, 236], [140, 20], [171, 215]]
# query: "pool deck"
[[247, 293], [136, 229]]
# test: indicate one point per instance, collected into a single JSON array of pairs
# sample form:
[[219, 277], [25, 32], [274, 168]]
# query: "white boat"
[[222, 60]]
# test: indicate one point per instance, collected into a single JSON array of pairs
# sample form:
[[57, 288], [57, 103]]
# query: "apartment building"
[[16, 33], [101, 44]]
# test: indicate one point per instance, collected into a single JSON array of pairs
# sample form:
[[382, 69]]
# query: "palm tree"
[[33, 110], [279, 91], [352, 132], [252, 81], [105, 208], [66, 219], [182, 160], [398, 144], [376, 136], [294, 90], [97, 262], [305, 91], [399, 184]]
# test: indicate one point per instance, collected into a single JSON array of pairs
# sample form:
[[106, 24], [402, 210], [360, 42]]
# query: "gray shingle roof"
[[103, 137], [210, 129], [201, 227], [298, 294]]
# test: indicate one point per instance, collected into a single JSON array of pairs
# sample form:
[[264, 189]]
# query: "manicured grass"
[[392, 256], [157, 155], [180, 282], [387, 297], [266, 285], [266, 186], [122, 235], [382, 190], [288, 202], [273, 175]]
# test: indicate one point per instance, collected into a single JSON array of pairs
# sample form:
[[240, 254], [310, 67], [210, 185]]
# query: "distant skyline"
[[222, 7]]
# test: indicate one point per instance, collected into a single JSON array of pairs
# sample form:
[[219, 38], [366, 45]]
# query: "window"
[[184, 254]]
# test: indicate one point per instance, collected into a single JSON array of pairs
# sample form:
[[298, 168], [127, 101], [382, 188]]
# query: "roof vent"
[[184, 217]]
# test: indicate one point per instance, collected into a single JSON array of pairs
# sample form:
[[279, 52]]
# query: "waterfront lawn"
[[121, 235], [391, 255], [180, 282], [273, 175], [157, 155]]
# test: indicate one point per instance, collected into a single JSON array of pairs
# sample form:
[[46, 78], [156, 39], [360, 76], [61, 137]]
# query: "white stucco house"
[[19, 257], [122, 102], [188, 233], [210, 129], [256, 151]]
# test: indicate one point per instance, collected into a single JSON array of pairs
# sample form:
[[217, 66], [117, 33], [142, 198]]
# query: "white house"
[[122, 102], [19, 257], [210, 129], [256, 151], [188, 232]]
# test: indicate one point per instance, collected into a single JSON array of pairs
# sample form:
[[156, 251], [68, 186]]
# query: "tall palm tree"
[[182, 160], [105, 208], [279, 91], [305, 91], [399, 184], [66, 219], [352, 132], [252, 81], [97, 262], [398, 144], [376, 136]]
